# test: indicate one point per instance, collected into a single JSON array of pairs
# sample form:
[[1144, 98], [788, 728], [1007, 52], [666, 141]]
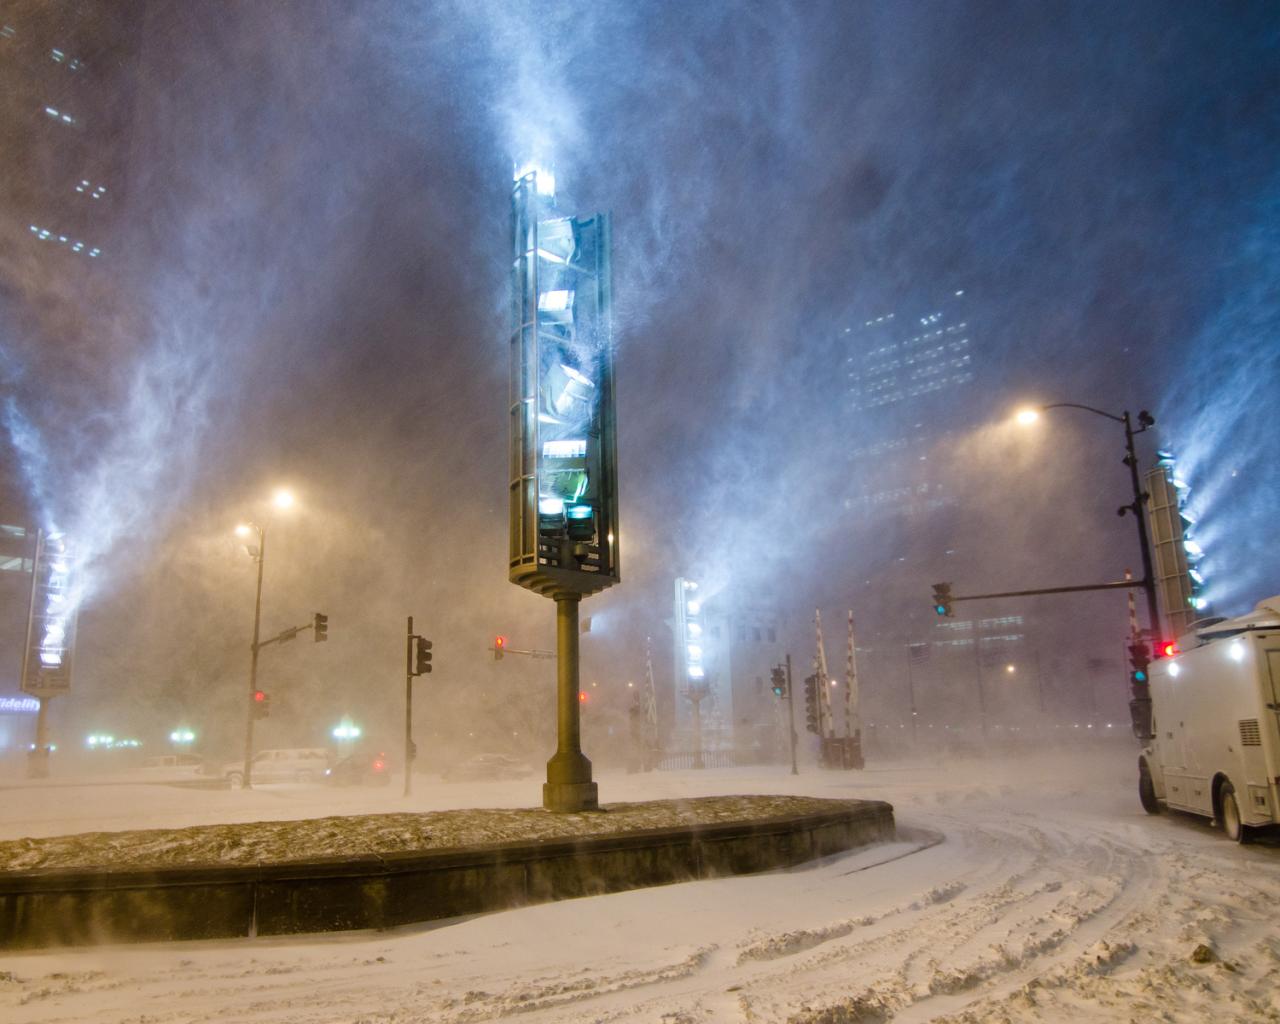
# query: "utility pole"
[[1139, 501], [977, 661], [911, 695], [408, 705], [253, 662], [791, 718]]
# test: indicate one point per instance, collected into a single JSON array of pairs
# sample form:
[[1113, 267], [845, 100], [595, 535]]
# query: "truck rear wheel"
[[1231, 823], [1147, 791]]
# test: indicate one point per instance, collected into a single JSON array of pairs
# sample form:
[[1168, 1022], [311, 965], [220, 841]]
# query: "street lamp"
[[282, 499], [1031, 414]]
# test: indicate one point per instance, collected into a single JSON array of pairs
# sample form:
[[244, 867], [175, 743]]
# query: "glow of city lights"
[[545, 181], [283, 498]]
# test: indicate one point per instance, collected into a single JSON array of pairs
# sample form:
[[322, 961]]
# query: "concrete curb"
[[62, 908]]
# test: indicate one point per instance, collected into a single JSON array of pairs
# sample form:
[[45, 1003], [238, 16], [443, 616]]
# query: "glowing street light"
[[1030, 414], [182, 737], [1011, 669], [281, 499], [346, 730]]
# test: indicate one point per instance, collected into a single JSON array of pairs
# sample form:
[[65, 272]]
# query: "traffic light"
[[1139, 659], [261, 704], [942, 599], [811, 705], [499, 645], [1167, 648], [321, 627], [422, 656], [779, 678]]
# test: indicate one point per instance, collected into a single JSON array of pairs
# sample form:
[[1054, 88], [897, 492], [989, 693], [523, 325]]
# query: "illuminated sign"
[[564, 506], [51, 621]]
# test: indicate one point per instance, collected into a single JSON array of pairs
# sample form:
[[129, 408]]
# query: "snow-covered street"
[[1031, 889]]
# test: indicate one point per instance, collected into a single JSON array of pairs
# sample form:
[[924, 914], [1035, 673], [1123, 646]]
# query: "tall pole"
[[977, 661], [1139, 513], [696, 697], [791, 718], [408, 705], [253, 662], [911, 695], [568, 786]]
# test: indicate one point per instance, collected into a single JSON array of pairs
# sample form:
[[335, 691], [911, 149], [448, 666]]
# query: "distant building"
[[723, 649], [904, 376], [66, 105]]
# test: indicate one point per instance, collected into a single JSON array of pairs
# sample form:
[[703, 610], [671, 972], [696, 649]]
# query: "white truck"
[[1216, 724]]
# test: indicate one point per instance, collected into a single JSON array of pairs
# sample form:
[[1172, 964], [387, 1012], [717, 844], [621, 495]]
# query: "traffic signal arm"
[[951, 599]]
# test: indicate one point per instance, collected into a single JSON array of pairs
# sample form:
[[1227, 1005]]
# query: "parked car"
[[360, 770], [487, 766], [300, 764], [179, 764]]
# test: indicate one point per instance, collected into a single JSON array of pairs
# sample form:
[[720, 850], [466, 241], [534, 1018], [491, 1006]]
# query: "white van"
[[298, 764], [1216, 724]]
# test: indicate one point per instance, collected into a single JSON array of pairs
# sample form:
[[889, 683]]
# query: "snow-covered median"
[[275, 842]]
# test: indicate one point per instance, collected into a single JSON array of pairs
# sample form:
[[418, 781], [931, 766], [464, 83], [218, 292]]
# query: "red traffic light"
[[259, 696], [499, 641], [1168, 649], [582, 696]]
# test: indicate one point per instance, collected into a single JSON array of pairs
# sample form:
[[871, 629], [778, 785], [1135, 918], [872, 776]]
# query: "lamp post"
[[282, 500], [1145, 420]]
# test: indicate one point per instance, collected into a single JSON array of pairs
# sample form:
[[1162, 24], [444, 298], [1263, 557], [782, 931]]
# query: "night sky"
[[307, 284]]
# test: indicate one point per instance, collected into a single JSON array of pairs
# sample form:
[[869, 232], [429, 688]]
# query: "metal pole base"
[[570, 796], [569, 786], [38, 763]]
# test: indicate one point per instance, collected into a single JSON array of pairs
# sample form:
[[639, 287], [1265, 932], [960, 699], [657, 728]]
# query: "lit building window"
[[59, 115], [76, 246], [60, 57]]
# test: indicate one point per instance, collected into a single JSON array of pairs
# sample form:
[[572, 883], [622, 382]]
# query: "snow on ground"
[[1019, 890]]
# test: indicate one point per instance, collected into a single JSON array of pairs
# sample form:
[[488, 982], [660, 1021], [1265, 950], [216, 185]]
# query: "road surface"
[[1027, 889]]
